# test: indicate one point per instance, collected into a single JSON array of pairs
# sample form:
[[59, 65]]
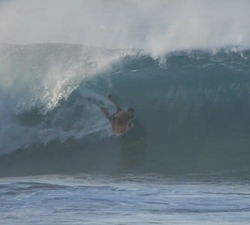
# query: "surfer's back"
[[122, 121]]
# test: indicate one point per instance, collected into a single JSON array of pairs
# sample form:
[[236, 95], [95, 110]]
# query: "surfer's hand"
[[109, 96]]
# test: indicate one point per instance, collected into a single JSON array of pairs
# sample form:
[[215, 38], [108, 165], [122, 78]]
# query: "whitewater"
[[183, 66]]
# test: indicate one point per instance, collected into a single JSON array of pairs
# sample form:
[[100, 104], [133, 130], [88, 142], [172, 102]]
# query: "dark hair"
[[131, 109]]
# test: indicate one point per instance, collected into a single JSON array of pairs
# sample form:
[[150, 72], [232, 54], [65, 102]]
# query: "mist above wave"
[[158, 26]]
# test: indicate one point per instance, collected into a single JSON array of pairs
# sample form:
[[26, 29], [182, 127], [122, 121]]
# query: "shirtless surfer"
[[122, 120]]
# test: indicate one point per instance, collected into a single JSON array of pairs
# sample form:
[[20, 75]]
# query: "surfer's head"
[[131, 111]]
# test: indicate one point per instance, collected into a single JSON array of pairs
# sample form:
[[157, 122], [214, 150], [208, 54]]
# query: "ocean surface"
[[187, 159], [124, 199]]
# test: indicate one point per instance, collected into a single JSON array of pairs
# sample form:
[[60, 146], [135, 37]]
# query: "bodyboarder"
[[121, 120]]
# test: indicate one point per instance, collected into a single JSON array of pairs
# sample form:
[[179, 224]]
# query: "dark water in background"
[[192, 111]]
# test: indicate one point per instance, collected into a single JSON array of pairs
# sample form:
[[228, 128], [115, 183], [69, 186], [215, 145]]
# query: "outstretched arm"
[[110, 97]]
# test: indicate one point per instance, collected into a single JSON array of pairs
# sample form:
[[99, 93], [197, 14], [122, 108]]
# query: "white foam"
[[28, 81]]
